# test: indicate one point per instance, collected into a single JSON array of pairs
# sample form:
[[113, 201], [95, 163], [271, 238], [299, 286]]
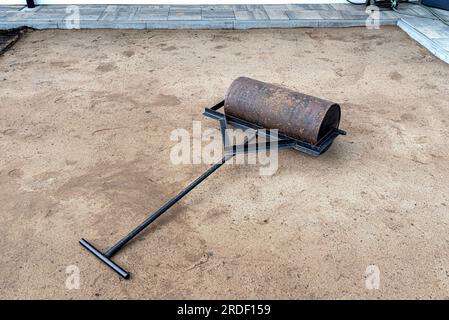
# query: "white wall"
[[168, 1]]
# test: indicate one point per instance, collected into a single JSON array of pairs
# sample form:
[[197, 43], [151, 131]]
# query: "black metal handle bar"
[[106, 257]]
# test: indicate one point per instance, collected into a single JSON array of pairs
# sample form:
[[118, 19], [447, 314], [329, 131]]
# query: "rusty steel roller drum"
[[294, 114]]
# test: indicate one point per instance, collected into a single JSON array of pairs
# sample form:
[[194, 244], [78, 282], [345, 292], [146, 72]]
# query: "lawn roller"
[[302, 122]]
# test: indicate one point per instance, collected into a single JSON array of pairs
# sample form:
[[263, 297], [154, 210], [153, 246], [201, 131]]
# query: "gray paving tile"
[[330, 14], [89, 17], [240, 7], [255, 6], [254, 24], [405, 5], [30, 16], [309, 23], [251, 15], [148, 14], [312, 7], [343, 23], [123, 24], [383, 15], [282, 7], [26, 9], [52, 8], [441, 12], [44, 25], [388, 14], [4, 25], [304, 15], [347, 7], [61, 13], [423, 23], [36, 24], [184, 24], [443, 42], [422, 11], [5, 9], [118, 13], [55, 7], [18, 15], [217, 14], [353, 15], [274, 14], [154, 7], [434, 34], [151, 9], [186, 7], [217, 7], [86, 14], [184, 14], [414, 11]]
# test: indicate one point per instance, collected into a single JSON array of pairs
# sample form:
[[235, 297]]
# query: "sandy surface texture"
[[85, 123]]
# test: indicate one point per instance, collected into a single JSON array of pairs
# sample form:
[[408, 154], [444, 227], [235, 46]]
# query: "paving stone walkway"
[[432, 34], [191, 16]]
